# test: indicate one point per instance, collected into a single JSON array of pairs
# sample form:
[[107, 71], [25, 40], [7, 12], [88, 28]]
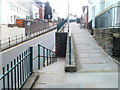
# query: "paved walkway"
[[92, 58], [95, 68]]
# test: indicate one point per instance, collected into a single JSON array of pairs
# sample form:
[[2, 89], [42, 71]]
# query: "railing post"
[[8, 78], [38, 56], [50, 56], [22, 37], [16, 38], [47, 57], [43, 56], [11, 75], [3, 78], [9, 41], [69, 50], [31, 59]]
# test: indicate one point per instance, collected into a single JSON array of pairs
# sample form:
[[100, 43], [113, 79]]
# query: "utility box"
[[61, 43]]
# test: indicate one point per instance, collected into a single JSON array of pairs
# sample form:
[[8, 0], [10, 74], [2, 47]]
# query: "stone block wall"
[[34, 26], [107, 40]]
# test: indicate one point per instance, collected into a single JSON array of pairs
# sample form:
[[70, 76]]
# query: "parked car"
[[78, 20]]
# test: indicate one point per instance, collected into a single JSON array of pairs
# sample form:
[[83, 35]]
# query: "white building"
[[12, 9], [97, 7]]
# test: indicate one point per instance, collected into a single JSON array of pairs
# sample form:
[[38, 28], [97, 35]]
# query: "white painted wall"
[[35, 10], [16, 11], [12, 9], [98, 6], [3, 11], [10, 32]]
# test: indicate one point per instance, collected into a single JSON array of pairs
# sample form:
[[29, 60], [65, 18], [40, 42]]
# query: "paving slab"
[[89, 52]]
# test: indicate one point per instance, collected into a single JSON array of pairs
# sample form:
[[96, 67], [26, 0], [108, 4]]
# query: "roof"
[[84, 7]]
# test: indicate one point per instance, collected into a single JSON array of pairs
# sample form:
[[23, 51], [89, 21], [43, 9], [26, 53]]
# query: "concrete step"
[[30, 81]]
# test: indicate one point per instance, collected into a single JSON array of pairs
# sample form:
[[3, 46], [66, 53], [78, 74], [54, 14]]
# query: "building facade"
[[98, 7], [41, 9], [84, 17], [10, 10]]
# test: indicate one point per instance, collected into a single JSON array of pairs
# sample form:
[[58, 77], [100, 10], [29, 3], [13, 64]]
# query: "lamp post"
[[68, 16], [69, 31]]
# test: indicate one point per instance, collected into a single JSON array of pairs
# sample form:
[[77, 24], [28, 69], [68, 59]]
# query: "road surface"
[[47, 40]]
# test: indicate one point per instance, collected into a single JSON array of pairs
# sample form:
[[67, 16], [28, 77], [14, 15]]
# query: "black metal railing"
[[11, 41], [109, 18], [15, 74], [46, 56]]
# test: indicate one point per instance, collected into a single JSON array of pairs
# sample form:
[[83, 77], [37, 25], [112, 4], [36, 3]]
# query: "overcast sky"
[[61, 6]]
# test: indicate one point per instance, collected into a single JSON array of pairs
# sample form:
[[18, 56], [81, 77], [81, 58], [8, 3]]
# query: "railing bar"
[[15, 74], [38, 57], [31, 60], [26, 64], [23, 67], [3, 78], [45, 48], [50, 56], [47, 57], [18, 71], [11, 76], [28, 60], [13, 67], [8, 86], [35, 57], [43, 57]]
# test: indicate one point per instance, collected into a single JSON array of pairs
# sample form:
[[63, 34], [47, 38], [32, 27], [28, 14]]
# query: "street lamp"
[[68, 16], [69, 31]]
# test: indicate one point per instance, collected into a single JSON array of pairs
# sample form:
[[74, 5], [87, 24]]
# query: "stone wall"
[[107, 39], [35, 26]]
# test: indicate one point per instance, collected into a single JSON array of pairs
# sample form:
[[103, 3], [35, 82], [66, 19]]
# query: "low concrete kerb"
[[30, 81], [73, 66]]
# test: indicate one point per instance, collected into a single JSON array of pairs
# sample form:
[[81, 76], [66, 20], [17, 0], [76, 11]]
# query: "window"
[[14, 8], [10, 6], [17, 9], [11, 18]]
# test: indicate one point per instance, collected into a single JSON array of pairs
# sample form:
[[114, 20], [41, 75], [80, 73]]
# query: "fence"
[[16, 74], [11, 41], [109, 18], [60, 24]]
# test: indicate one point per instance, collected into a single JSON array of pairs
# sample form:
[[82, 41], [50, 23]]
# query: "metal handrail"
[[19, 70], [60, 25], [108, 19], [22, 67], [14, 66]]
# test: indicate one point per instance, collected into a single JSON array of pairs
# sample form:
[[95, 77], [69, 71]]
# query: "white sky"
[[61, 6]]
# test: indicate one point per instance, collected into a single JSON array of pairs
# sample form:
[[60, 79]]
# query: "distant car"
[[72, 20], [78, 20]]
